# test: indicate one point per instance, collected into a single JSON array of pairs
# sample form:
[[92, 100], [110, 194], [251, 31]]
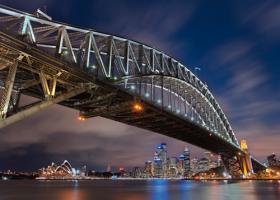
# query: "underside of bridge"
[[104, 75]]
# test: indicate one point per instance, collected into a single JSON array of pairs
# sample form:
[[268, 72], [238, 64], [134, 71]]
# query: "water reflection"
[[185, 190], [159, 189], [74, 192], [139, 190]]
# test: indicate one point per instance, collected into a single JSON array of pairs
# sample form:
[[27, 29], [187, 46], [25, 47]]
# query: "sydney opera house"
[[53, 171]]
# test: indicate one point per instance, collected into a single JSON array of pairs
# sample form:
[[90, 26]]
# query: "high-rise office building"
[[162, 154], [187, 163], [158, 169], [172, 167]]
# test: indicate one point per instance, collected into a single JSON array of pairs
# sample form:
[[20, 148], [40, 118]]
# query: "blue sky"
[[235, 43]]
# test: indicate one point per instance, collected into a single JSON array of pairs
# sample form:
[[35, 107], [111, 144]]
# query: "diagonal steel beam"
[[41, 106], [6, 96]]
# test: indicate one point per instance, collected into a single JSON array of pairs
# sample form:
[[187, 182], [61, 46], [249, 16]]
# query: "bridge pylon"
[[240, 165], [245, 159]]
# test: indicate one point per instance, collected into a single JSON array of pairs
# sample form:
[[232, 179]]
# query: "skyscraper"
[[162, 154], [187, 163], [173, 167], [158, 171]]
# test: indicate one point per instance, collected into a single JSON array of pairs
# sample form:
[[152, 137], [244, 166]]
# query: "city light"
[[81, 118], [137, 107]]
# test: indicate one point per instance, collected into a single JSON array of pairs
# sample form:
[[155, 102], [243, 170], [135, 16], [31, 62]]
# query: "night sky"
[[235, 43]]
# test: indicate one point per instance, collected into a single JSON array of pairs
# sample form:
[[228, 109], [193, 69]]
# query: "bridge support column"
[[6, 95], [40, 106], [246, 165], [238, 166], [232, 166]]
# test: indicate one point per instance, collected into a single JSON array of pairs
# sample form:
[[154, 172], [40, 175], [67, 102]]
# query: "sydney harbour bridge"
[[105, 75]]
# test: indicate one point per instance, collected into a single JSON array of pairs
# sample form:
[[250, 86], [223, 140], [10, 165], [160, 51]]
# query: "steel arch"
[[122, 62]]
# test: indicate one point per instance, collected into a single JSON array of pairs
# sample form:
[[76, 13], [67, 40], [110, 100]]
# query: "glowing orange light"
[[81, 118], [137, 107]]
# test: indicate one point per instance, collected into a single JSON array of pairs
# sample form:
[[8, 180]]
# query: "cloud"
[[154, 24], [247, 95], [263, 17], [120, 147]]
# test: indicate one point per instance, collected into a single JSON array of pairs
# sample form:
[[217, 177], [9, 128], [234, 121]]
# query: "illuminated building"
[[181, 164], [53, 171], [203, 165], [186, 163], [162, 154], [148, 169], [137, 172], [173, 167], [158, 171], [194, 165]]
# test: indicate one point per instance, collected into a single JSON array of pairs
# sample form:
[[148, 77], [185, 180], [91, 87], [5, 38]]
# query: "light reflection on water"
[[159, 189], [139, 190]]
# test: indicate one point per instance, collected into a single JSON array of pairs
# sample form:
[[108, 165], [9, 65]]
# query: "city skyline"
[[246, 93]]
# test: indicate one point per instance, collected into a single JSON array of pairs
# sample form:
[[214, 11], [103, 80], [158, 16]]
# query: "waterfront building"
[[148, 170], [137, 172], [203, 165], [194, 165], [54, 171], [162, 154], [158, 168], [173, 167], [181, 165], [186, 163]]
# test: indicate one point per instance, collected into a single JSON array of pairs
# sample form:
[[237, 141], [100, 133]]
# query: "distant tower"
[[157, 172], [162, 154], [187, 163]]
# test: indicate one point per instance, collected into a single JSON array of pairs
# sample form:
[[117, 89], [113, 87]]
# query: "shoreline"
[[152, 179]]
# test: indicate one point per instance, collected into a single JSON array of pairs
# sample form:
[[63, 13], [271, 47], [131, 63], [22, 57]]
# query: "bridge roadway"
[[186, 109]]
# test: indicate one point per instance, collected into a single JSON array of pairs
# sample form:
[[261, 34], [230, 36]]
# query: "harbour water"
[[138, 190]]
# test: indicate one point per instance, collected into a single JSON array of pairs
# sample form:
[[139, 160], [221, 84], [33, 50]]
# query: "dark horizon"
[[234, 43]]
